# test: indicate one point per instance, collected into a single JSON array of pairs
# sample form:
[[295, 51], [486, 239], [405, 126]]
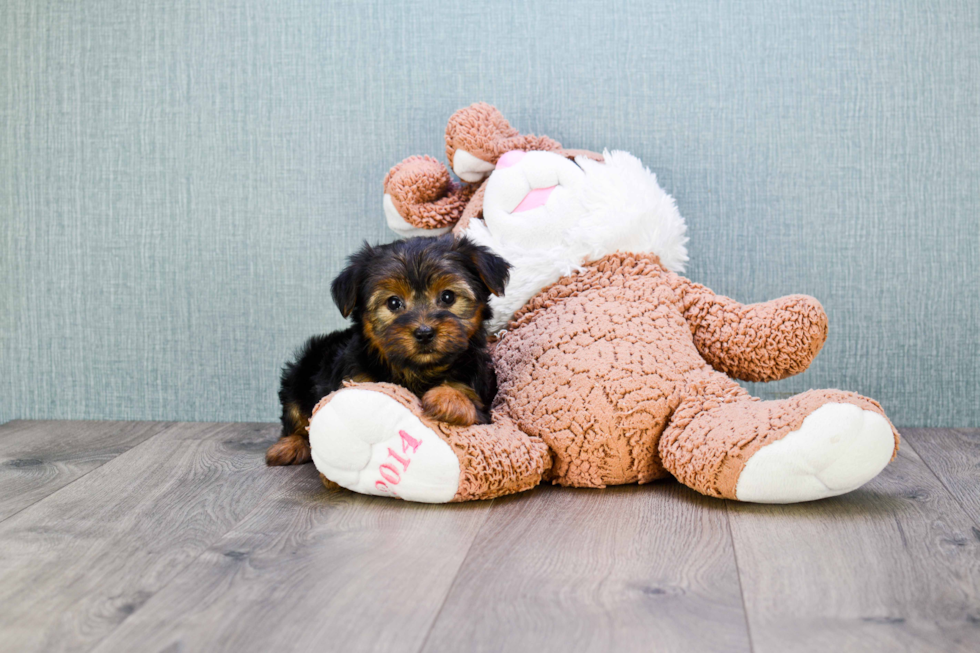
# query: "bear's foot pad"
[[369, 443], [838, 448]]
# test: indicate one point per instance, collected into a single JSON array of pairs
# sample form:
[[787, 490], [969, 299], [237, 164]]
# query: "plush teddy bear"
[[612, 368]]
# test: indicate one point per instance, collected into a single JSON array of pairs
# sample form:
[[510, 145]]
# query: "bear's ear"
[[492, 270], [346, 288], [478, 130]]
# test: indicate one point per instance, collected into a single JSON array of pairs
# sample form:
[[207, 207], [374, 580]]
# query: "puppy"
[[418, 309]]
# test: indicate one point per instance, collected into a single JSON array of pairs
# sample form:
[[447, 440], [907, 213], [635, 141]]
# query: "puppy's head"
[[420, 302]]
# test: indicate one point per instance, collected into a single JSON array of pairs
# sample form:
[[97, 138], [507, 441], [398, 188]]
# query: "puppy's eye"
[[394, 303], [447, 297]]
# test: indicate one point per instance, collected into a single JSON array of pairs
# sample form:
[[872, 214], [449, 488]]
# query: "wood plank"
[[954, 456], [633, 568], [40, 457], [893, 566], [76, 564], [312, 570]]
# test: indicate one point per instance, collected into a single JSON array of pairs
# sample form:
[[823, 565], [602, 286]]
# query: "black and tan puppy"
[[418, 308]]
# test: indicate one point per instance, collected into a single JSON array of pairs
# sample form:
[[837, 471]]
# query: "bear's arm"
[[767, 341]]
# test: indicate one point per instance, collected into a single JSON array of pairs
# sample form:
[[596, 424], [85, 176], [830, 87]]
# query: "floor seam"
[[956, 499], [97, 645], [177, 574], [97, 467], [452, 585], [738, 574]]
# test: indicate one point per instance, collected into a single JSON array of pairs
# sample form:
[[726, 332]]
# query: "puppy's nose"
[[424, 334]]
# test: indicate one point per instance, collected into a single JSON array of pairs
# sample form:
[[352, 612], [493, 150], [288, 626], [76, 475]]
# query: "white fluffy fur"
[[621, 208]]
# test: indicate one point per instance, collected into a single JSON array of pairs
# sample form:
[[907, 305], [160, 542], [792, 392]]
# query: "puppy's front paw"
[[290, 450], [447, 404]]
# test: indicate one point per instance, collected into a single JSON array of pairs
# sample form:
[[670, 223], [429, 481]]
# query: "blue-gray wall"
[[180, 180]]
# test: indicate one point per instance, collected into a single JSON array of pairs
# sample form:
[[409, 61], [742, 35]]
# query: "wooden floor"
[[135, 536]]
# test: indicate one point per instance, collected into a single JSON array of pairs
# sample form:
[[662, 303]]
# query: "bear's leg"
[[817, 444], [373, 439]]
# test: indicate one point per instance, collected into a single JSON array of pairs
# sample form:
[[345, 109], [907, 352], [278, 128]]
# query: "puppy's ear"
[[345, 289], [492, 270]]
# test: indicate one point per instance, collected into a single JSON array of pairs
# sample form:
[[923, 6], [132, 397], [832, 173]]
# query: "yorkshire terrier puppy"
[[418, 308]]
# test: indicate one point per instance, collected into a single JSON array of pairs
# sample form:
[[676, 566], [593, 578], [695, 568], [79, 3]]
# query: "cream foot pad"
[[838, 448], [369, 443]]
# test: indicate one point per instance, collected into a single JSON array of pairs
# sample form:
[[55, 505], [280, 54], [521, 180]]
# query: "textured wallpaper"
[[180, 180]]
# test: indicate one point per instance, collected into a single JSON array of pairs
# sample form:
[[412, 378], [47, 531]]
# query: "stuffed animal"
[[612, 367]]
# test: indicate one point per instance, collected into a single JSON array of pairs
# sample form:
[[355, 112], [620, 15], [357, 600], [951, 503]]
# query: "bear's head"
[[547, 210]]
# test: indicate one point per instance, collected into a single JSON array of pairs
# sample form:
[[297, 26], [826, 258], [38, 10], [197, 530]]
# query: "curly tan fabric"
[[482, 130], [761, 342], [424, 195], [602, 363]]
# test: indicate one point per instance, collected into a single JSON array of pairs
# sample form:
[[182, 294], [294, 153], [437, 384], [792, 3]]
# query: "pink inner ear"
[[510, 158], [534, 199]]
